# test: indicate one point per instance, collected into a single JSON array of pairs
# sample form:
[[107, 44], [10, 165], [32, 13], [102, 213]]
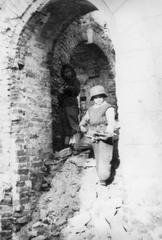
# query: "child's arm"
[[110, 116]]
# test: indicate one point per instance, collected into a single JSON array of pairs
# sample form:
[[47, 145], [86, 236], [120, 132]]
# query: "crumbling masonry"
[[36, 38]]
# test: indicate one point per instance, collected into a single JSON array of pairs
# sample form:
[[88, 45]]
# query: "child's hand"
[[83, 129], [109, 131]]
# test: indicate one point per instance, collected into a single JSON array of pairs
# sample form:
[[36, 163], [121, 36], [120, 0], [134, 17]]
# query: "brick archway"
[[35, 35], [28, 41], [75, 36]]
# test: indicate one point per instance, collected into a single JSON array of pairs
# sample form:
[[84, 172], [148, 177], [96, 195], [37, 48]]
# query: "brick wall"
[[93, 62], [35, 44], [93, 68], [138, 42], [25, 122], [29, 132]]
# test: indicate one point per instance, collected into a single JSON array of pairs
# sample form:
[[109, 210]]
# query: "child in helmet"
[[99, 122]]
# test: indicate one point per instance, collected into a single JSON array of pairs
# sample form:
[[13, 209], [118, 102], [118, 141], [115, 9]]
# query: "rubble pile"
[[59, 202], [76, 207]]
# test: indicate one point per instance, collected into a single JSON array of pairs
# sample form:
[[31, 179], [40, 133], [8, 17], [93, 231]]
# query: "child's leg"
[[103, 155]]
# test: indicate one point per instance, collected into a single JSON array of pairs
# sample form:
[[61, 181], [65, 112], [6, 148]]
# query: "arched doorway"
[[41, 44], [93, 67], [94, 62]]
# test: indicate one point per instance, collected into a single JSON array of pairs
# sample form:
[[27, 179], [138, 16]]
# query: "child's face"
[[98, 100], [67, 73]]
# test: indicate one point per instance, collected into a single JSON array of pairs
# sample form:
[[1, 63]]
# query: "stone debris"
[[80, 220], [59, 203], [90, 163], [40, 237], [65, 153], [77, 207]]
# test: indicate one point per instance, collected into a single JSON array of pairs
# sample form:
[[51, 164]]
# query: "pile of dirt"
[[58, 204]]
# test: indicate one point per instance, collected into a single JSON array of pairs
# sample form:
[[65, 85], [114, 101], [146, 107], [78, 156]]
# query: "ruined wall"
[[138, 49], [35, 103], [26, 126], [93, 61], [93, 68], [30, 138], [95, 64]]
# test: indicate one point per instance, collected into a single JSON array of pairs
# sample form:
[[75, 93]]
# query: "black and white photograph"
[[80, 119]]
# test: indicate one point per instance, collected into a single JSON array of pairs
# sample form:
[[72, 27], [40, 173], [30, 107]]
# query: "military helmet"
[[97, 90]]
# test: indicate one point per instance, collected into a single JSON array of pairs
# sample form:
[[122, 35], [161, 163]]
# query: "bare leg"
[[76, 139], [103, 155]]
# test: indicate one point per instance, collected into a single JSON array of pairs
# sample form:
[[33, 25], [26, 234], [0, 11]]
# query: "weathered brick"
[[6, 223], [24, 219], [6, 235], [29, 95], [25, 200], [20, 184], [21, 153], [23, 177], [7, 200], [23, 171], [22, 159], [37, 164], [23, 165]]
